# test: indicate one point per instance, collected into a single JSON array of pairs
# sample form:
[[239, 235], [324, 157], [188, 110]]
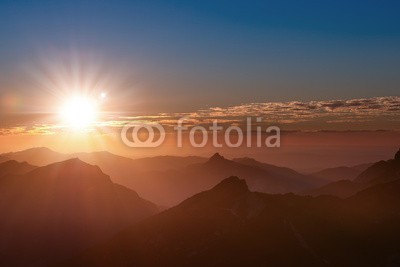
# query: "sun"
[[79, 112]]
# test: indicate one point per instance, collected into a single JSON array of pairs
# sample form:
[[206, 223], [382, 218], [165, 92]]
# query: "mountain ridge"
[[71, 201], [378, 173], [225, 227]]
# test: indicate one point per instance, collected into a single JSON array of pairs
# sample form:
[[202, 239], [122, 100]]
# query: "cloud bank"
[[377, 113]]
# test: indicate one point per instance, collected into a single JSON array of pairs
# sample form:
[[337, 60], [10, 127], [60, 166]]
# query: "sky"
[[303, 65], [197, 54]]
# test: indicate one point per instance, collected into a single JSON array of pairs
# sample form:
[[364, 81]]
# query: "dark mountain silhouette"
[[397, 156], [173, 186], [12, 167], [55, 211], [380, 201], [231, 226], [382, 171], [137, 174], [168, 180], [71, 209], [377, 173], [259, 176]]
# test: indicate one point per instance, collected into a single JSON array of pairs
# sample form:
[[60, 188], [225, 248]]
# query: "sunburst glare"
[[79, 112]]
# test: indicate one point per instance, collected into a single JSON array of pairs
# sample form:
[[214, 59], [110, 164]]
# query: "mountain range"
[[50, 213], [71, 213], [231, 226], [173, 186], [340, 173], [378, 173], [168, 180]]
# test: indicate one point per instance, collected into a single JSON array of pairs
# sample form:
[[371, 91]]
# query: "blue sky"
[[183, 55]]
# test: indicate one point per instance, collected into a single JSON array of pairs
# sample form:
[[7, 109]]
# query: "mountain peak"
[[72, 169], [77, 164], [216, 157], [72, 162], [217, 161]]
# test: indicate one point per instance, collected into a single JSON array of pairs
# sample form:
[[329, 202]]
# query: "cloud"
[[353, 114]]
